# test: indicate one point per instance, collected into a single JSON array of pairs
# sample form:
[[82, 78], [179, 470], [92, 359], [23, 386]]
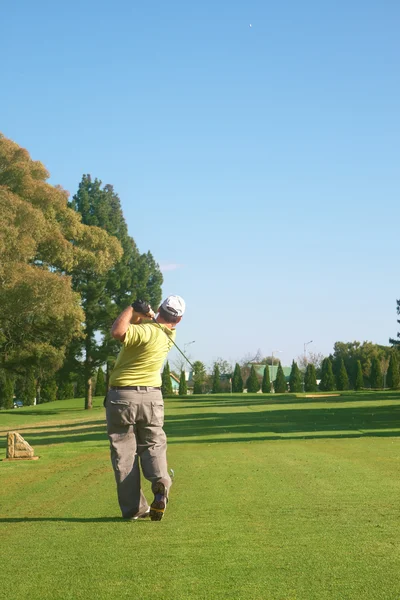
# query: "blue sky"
[[259, 165]]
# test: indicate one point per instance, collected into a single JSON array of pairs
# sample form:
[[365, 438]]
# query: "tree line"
[[67, 268], [352, 366]]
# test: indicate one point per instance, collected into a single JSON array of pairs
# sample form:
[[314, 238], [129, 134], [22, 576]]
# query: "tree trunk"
[[88, 372], [88, 393]]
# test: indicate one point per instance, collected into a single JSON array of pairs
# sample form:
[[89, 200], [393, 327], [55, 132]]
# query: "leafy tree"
[[41, 240], [6, 389], [100, 383], [342, 379], [49, 390], [199, 377], [359, 379], [295, 380], [65, 390], [252, 383], [80, 385], [351, 352], [166, 383], [327, 383], [393, 374], [132, 276], [237, 381], [310, 379], [375, 378], [26, 387], [315, 358], [280, 382], [266, 382], [396, 342], [182, 384], [216, 383]]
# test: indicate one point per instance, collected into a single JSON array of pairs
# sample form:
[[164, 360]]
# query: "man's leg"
[[152, 449], [121, 410]]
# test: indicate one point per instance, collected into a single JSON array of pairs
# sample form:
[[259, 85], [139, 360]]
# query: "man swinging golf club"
[[135, 407]]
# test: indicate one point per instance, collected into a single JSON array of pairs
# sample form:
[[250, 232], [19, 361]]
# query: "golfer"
[[135, 408]]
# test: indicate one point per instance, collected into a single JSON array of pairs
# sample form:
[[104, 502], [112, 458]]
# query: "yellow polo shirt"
[[144, 350]]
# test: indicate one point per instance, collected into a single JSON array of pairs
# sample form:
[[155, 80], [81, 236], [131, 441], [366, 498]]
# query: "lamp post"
[[305, 362], [187, 344], [272, 371]]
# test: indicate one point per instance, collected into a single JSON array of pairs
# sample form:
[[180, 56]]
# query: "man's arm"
[[121, 323]]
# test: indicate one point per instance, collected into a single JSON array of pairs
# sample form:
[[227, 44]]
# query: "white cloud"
[[170, 267]]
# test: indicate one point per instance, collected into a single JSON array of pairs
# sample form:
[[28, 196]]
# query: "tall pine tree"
[[359, 378], [327, 383], [216, 381], [252, 383], [103, 297], [280, 386], [295, 380], [375, 377], [342, 378], [310, 379], [6, 389], [100, 383], [199, 377], [237, 380], [266, 381], [393, 374], [182, 384], [166, 383]]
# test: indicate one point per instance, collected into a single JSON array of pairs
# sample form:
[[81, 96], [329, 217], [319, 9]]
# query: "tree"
[[252, 383], [310, 379], [314, 358], [199, 377], [100, 383], [65, 390], [396, 342], [132, 276], [365, 352], [6, 389], [342, 379], [49, 390], [166, 383], [266, 381], [216, 383], [295, 380], [359, 379], [41, 241], [269, 360], [375, 378], [182, 384], [237, 381], [280, 382], [25, 387], [327, 383], [393, 374]]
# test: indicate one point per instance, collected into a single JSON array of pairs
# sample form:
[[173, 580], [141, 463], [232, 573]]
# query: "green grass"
[[278, 498]]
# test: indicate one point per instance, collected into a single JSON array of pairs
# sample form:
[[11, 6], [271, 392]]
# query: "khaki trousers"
[[135, 422]]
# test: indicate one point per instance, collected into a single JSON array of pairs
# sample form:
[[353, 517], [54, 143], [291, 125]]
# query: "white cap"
[[174, 306]]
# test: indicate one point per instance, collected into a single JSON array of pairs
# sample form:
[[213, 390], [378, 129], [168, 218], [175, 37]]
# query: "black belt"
[[137, 388]]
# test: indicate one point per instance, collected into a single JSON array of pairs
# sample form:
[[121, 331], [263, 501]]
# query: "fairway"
[[275, 497]]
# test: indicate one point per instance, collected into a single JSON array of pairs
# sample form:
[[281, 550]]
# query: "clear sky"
[[259, 164]]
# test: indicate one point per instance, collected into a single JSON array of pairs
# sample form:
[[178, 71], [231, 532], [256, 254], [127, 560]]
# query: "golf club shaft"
[[177, 347]]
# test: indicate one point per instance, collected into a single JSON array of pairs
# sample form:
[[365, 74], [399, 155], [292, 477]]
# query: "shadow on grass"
[[68, 520], [230, 426], [330, 421], [220, 400]]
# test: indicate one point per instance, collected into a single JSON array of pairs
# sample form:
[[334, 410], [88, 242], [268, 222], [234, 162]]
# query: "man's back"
[[140, 360]]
